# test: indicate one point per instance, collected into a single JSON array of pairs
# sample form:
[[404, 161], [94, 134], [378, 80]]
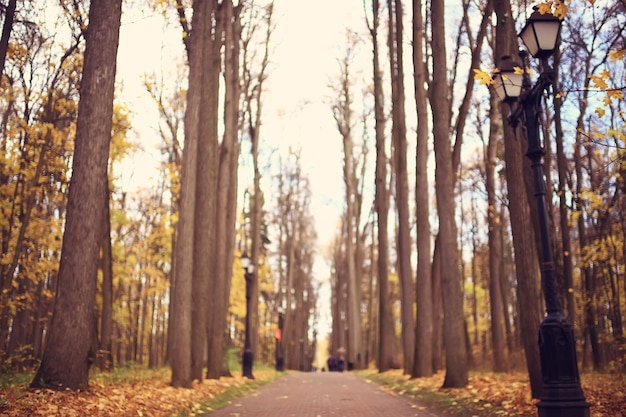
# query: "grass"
[[7, 380]]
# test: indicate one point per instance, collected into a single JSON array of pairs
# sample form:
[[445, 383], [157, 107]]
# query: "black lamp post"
[[561, 395], [248, 355]]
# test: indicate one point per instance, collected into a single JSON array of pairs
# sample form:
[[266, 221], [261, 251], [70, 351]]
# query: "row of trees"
[[477, 291], [90, 273], [94, 274]]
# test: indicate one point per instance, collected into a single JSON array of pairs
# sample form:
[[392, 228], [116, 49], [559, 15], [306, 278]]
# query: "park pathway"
[[322, 394]]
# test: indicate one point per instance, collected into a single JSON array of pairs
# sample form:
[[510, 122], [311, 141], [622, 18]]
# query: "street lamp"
[[561, 395], [248, 355]]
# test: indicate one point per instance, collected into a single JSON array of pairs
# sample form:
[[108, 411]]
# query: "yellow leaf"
[[599, 81], [617, 55], [483, 77], [545, 7], [616, 94], [560, 9], [600, 111]]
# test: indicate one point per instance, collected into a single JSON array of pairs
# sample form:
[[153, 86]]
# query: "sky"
[[307, 42]]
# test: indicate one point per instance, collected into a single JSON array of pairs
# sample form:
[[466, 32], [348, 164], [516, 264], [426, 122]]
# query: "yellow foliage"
[[600, 80], [483, 77], [558, 8], [617, 55]]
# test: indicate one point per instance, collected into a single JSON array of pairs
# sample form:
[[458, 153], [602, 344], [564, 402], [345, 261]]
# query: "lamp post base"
[[248, 358], [280, 364], [561, 395], [563, 409]]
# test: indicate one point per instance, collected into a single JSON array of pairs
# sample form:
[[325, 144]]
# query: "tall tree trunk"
[[437, 340], [405, 271], [564, 218], [253, 101], [231, 149], [493, 222], [343, 115], [68, 355], [526, 262], [386, 354], [453, 332], [423, 366], [184, 303], [7, 27], [208, 269], [222, 228], [105, 355]]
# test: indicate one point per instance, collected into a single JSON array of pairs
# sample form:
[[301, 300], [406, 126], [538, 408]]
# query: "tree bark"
[[386, 354], [405, 272], [68, 352], [184, 311], [105, 354], [423, 365], [493, 222], [526, 262], [7, 27], [453, 332]]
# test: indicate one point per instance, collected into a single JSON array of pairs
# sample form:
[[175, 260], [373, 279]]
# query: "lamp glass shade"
[[508, 80], [508, 85], [540, 34], [245, 261]]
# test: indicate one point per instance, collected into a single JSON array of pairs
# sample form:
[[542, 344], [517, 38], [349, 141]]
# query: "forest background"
[[144, 295]]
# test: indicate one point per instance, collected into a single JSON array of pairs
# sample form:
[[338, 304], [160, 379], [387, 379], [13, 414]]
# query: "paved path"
[[322, 394]]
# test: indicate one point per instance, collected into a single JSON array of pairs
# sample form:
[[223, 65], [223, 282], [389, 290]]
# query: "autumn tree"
[[197, 45], [453, 331], [386, 354], [68, 353], [593, 90], [259, 26], [294, 239], [423, 361], [226, 192], [399, 145], [519, 213], [38, 119], [343, 113]]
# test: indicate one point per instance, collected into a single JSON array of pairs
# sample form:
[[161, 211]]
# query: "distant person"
[[331, 364], [341, 359]]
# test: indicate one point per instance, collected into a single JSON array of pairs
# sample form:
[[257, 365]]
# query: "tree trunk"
[[68, 355], [231, 123], [493, 220], [453, 333], [398, 134], [564, 219], [227, 185], [437, 340], [182, 291], [526, 262], [105, 355], [386, 354], [423, 366], [7, 27]]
